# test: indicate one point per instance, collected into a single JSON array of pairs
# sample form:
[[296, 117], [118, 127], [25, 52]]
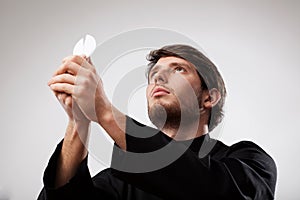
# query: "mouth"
[[159, 91]]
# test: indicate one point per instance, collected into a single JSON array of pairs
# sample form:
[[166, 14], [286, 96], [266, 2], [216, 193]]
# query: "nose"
[[160, 77]]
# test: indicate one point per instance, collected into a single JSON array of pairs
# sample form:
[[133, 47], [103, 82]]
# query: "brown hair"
[[209, 75]]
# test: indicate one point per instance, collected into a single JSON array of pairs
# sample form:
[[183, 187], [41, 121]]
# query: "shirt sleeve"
[[80, 186], [245, 172]]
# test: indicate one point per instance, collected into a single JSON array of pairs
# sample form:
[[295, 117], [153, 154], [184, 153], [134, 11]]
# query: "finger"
[[55, 93], [58, 95], [68, 101], [62, 87], [89, 60], [87, 64], [63, 97], [75, 58], [62, 78], [59, 98], [82, 61], [67, 67]]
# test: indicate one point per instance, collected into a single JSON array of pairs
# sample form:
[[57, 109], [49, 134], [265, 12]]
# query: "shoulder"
[[248, 154], [246, 144], [253, 156], [247, 149], [242, 149], [251, 153]]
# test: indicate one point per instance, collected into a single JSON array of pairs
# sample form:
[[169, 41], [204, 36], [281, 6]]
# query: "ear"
[[211, 98]]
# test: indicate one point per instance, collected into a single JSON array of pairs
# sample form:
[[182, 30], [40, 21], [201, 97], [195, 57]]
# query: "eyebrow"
[[171, 64], [181, 64]]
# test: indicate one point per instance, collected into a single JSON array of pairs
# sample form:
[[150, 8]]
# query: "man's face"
[[174, 92]]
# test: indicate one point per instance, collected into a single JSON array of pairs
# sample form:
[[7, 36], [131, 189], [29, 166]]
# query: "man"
[[185, 97]]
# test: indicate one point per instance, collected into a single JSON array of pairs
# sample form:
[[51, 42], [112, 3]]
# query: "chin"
[[161, 114]]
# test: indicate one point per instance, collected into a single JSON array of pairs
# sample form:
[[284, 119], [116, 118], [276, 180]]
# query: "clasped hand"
[[79, 88]]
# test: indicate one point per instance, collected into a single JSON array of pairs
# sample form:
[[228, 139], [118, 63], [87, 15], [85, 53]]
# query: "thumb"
[[88, 59]]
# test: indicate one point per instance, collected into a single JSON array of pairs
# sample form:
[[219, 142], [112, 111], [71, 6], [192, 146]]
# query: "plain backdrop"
[[255, 44]]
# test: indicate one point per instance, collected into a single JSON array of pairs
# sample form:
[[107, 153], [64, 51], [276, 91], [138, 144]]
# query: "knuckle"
[[59, 79], [68, 103], [73, 57], [65, 59], [68, 58], [85, 82], [68, 76], [65, 65], [79, 92], [68, 63], [73, 79], [53, 87], [90, 74], [76, 58], [63, 87]]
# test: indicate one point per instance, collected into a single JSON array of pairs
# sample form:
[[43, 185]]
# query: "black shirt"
[[202, 168]]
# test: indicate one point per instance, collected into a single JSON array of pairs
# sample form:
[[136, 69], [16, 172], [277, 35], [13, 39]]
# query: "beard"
[[173, 115]]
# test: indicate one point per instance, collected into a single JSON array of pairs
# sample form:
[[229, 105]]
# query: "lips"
[[159, 91]]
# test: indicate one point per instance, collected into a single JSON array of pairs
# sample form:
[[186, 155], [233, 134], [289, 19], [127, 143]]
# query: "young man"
[[178, 160]]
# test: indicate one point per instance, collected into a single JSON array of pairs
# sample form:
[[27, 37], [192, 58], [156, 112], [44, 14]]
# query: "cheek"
[[148, 90], [179, 85], [186, 90]]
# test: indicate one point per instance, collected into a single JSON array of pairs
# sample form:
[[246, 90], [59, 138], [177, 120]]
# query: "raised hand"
[[77, 77]]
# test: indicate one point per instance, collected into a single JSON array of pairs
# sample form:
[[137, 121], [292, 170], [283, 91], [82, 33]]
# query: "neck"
[[186, 131]]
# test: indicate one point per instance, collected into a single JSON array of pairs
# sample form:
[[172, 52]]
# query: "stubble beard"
[[173, 115]]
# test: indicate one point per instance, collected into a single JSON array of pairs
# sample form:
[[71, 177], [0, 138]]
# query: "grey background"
[[255, 44]]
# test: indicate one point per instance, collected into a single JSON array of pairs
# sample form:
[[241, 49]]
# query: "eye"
[[152, 74], [180, 69]]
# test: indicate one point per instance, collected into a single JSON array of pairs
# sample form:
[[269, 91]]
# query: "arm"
[[80, 186], [68, 164], [73, 149], [72, 153], [67, 175]]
